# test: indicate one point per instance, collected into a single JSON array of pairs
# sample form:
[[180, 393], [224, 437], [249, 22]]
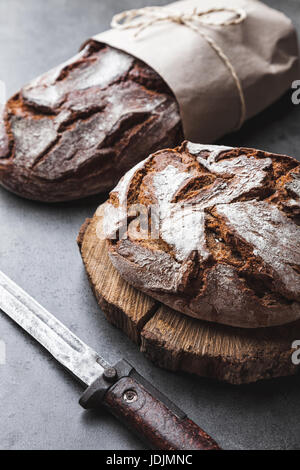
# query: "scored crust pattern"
[[77, 129], [238, 260]]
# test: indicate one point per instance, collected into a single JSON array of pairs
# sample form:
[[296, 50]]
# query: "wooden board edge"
[[222, 368]]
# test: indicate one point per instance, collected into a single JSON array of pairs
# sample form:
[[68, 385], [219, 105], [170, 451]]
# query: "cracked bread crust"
[[77, 129], [237, 260]]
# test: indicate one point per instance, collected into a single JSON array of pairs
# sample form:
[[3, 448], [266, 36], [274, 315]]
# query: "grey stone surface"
[[39, 401]]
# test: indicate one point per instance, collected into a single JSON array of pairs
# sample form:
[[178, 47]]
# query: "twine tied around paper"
[[143, 18]]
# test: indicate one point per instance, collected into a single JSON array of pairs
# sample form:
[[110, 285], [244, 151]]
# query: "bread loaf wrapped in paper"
[[201, 66]]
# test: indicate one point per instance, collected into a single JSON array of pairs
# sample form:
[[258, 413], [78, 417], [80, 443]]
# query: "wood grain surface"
[[177, 342]]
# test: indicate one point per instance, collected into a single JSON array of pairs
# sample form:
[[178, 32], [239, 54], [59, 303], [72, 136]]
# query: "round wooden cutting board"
[[177, 342]]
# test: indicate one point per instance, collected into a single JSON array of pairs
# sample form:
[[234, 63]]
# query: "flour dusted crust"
[[77, 129], [236, 258]]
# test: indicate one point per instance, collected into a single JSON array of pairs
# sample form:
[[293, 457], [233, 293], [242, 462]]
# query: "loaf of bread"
[[77, 129], [224, 244]]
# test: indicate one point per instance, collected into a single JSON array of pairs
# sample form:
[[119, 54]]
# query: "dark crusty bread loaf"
[[77, 129], [228, 249]]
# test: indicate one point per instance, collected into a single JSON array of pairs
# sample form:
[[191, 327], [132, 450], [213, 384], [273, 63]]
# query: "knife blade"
[[62, 344], [119, 388]]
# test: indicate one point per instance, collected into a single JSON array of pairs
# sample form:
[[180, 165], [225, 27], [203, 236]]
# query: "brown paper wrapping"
[[263, 50]]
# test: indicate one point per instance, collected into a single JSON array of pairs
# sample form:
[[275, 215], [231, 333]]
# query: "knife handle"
[[147, 412]]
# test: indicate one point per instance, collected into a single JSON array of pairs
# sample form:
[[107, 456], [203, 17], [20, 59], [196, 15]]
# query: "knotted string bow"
[[143, 18]]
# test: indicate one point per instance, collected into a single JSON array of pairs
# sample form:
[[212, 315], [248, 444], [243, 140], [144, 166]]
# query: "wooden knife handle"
[[152, 420], [145, 410]]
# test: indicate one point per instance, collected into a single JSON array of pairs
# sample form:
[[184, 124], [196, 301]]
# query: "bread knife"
[[118, 388]]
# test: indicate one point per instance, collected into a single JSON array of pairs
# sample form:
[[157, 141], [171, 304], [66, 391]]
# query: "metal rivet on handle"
[[130, 396], [110, 374]]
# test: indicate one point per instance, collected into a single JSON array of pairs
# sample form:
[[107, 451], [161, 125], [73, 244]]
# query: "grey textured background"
[[38, 401]]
